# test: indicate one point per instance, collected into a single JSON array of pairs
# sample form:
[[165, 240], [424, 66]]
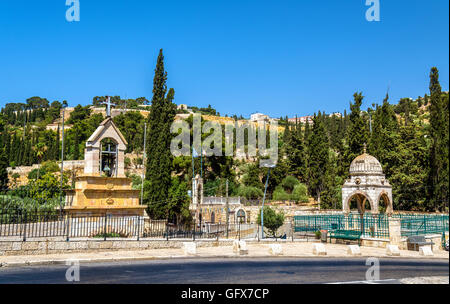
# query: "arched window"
[[108, 157], [240, 216]]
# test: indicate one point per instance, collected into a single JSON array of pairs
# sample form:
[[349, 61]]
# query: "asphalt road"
[[225, 271]]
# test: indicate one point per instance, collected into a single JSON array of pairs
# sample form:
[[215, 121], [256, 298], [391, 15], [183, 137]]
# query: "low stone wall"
[[60, 245]]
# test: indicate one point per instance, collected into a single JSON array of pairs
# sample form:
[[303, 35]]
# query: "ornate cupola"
[[367, 183]]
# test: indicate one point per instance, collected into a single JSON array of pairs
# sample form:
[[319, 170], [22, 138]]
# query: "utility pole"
[[143, 164], [228, 207], [262, 208]]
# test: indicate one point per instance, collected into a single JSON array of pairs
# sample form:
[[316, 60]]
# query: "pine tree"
[[438, 180], [159, 165]]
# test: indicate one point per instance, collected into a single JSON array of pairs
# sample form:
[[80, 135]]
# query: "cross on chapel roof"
[[108, 106]]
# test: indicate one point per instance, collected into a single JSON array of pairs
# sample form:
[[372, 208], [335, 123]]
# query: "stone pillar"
[[91, 161], [395, 233], [120, 163]]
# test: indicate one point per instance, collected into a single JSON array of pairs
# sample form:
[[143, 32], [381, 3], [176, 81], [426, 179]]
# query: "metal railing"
[[370, 225], [33, 224], [423, 224]]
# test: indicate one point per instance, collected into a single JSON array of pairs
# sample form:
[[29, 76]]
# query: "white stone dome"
[[365, 164]]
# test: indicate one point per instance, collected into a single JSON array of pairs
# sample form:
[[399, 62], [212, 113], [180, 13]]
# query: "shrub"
[[272, 219], [127, 162], [300, 193], [250, 192], [35, 173], [280, 195], [289, 182], [49, 167]]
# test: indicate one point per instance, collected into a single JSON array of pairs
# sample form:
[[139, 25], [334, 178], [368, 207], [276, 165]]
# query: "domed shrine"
[[367, 186]]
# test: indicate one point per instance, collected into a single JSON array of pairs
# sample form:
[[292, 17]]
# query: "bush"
[[272, 219], [49, 167], [289, 182], [35, 173], [127, 162], [136, 181], [300, 193], [280, 195], [250, 192], [111, 235]]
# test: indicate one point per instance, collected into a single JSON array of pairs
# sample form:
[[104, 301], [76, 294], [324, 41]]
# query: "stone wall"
[[60, 245]]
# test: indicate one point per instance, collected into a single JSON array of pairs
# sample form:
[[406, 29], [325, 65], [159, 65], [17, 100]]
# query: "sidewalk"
[[290, 250]]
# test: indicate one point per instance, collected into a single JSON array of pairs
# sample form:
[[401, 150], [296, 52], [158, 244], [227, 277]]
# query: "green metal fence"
[[370, 225], [423, 224], [373, 225]]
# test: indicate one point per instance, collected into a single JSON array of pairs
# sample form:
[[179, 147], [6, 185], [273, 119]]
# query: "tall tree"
[[384, 140], [296, 153], [357, 134], [3, 170], [159, 165], [3, 157], [438, 180], [318, 157]]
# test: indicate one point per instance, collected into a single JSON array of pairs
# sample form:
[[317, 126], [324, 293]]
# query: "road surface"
[[226, 271]]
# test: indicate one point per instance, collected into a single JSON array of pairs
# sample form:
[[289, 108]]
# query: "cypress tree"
[[438, 180], [76, 147], [357, 131], [408, 174], [297, 154], [3, 170], [384, 140], [57, 148], [318, 157], [331, 193], [159, 164]]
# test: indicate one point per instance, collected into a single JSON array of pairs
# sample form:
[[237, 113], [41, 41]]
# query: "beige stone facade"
[[101, 191]]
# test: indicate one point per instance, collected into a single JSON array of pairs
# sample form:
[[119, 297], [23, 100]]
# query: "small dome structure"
[[365, 164], [367, 183]]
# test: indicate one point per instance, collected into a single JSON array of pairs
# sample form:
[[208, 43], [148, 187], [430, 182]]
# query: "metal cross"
[[108, 106]]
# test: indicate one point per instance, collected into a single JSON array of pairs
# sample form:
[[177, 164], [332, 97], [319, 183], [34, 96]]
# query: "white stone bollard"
[[425, 251], [275, 249], [235, 246], [240, 247], [190, 248], [353, 250], [392, 250], [319, 249], [243, 247]]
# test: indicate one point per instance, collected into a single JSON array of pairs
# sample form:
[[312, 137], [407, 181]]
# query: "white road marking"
[[367, 282]]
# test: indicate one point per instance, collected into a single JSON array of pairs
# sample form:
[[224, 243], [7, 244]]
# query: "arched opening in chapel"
[[108, 157]]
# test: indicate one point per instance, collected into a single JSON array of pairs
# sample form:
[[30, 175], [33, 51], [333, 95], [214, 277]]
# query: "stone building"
[[103, 188], [367, 186]]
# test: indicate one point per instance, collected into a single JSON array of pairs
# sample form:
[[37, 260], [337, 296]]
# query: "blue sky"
[[277, 57]]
